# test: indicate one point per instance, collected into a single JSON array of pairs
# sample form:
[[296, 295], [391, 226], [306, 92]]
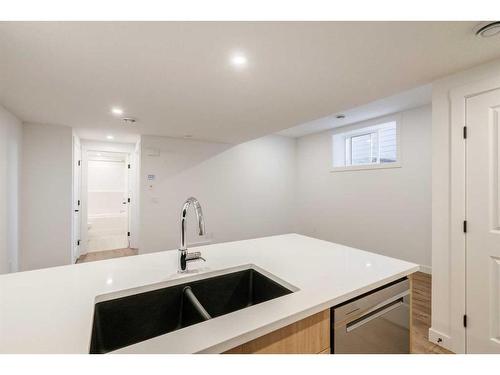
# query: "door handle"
[[77, 210], [373, 315]]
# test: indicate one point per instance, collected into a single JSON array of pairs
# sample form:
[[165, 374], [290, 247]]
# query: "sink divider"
[[196, 304]]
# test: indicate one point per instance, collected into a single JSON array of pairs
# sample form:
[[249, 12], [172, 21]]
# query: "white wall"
[[387, 211], [271, 185], [444, 280], [245, 191], [10, 166], [46, 196]]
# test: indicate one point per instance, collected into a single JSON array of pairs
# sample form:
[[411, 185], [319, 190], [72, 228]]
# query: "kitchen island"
[[51, 310]]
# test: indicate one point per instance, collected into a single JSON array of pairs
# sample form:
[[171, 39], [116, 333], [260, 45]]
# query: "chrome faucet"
[[184, 256]]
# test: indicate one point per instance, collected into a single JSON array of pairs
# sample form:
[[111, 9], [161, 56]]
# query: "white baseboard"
[[440, 339], [426, 269]]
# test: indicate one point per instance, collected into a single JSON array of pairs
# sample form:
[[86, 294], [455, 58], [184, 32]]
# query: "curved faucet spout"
[[199, 216]]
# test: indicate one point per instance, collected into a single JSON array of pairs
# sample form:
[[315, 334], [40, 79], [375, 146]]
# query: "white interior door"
[[107, 205], [77, 177], [483, 223]]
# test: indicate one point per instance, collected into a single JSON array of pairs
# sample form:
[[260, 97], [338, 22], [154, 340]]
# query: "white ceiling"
[[402, 101], [176, 79]]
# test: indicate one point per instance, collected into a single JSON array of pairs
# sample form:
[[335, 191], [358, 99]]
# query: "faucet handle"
[[194, 256]]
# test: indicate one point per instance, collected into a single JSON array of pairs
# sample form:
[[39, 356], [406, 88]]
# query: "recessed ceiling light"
[[239, 60], [488, 29], [117, 111], [110, 137]]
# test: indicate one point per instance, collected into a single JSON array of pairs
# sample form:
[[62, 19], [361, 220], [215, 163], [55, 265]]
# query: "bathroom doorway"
[[109, 200]]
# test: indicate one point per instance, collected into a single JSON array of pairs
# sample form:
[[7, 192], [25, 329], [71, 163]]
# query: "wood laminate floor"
[[421, 316], [108, 254]]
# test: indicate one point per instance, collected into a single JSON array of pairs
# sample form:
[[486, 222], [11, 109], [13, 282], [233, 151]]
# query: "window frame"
[[348, 146], [360, 129]]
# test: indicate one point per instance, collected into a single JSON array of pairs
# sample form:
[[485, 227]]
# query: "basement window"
[[367, 146]]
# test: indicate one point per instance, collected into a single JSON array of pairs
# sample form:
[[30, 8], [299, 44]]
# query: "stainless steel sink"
[[133, 318]]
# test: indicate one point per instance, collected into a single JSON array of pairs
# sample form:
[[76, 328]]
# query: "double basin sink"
[[134, 318]]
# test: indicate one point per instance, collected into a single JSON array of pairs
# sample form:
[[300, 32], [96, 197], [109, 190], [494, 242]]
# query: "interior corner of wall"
[[426, 269]]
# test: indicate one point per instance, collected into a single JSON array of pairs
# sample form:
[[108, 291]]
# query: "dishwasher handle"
[[373, 315]]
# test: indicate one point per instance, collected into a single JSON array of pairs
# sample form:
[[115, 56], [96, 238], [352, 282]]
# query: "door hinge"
[[465, 132], [79, 162], [465, 321], [128, 234], [465, 226], [78, 243], [129, 166]]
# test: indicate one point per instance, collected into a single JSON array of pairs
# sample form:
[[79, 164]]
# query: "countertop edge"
[[275, 325]]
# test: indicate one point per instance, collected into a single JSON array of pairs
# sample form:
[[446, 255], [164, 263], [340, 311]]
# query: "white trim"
[[456, 340], [135, 195], [440, 339], [444, 314], [457, 216], [396, 164], [75, 249], [83, 212]]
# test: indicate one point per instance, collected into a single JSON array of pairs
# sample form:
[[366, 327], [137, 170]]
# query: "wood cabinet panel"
[[307, 336]]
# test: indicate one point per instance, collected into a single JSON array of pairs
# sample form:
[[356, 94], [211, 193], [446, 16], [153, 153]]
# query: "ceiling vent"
[[488, 29], [129, 120]]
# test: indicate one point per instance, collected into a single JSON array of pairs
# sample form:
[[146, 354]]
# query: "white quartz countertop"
[[51, 310]]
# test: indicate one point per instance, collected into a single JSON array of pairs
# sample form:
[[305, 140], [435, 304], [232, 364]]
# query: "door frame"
[[77, 168], [458, 213], [133, 184]]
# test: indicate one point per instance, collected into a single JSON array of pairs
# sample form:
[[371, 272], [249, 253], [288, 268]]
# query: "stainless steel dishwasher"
[[374, 323]]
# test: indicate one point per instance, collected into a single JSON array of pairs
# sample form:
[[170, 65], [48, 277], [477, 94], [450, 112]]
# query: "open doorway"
[[108, 201]]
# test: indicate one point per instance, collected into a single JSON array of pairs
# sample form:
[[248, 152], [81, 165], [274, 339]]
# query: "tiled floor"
[[108, 254], [421, 312]]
